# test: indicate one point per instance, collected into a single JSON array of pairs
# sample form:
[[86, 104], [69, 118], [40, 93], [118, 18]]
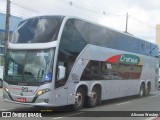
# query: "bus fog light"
[[46, 101]]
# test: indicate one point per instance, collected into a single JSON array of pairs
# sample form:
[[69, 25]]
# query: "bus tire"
[[79, 99], [147, 91], [1, 83], [93, 98], [142, 91]]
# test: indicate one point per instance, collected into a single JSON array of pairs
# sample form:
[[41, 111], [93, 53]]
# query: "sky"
[[142, 19]]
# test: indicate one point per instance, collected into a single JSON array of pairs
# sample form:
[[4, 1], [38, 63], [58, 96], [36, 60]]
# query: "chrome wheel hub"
[[93, 97], [78, 99]]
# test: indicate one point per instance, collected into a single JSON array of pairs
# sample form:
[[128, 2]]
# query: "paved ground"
[[134, 104]]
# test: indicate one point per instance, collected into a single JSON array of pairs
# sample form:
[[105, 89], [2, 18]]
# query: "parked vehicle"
[[1, 76]]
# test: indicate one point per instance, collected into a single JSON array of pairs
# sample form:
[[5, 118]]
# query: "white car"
[[1, 76]]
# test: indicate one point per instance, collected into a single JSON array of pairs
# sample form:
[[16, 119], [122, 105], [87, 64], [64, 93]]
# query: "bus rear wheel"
[[142, 91], [1, 83], [79, 99], [147, 91], [93, 98]]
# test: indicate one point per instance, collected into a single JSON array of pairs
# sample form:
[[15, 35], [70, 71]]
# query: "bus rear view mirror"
[[61, 72]]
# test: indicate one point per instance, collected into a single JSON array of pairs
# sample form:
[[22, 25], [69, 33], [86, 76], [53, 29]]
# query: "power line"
[[102, 12], [97, 11], [15, 13], [19, 5], [76, 5], [136, 19], [70, 3], [91, 10], [3, 1], [27, 8]]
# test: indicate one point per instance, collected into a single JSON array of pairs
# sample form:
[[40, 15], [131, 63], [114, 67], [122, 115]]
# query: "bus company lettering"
[[130, 59], [125, 59]]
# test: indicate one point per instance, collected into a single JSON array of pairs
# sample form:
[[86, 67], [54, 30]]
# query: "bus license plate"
[[21, 99]]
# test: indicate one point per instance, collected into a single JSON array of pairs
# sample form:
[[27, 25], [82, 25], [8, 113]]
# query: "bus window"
[[37, 30], [97, 34]]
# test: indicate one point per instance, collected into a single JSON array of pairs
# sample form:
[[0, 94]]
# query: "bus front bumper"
[[29, 100], [30, 104]]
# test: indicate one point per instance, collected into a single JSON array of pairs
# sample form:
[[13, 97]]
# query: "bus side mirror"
[[61, 72]]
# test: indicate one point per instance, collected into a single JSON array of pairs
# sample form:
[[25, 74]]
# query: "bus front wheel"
[[79, 99]]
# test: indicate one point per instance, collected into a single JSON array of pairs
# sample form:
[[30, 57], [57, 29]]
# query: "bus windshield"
[[29, 66], [37, 30]]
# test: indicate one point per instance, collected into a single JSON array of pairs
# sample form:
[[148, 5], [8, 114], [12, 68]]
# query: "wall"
[[13, 23]]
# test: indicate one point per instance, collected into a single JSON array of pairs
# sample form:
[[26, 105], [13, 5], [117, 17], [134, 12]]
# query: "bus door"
[[62, 95], [61, 85]]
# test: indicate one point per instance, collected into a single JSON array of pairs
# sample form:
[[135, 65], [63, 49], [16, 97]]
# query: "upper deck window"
[[37, 30]]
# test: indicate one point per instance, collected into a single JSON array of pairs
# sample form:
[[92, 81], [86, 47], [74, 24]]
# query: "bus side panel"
[[148, 71], [106, 89], [133, 87], [118, 88], [61, 95]]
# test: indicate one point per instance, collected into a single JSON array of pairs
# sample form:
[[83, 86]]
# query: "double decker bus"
[[64, 60]]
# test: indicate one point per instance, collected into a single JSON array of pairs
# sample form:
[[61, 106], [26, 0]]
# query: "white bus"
[[63, 60]]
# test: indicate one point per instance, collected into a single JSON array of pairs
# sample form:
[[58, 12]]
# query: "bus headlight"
[[40, 92], [6, 89]]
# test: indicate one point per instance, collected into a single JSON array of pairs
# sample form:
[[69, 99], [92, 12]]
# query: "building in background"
[[158, 35], [13, 22], [158, 43]]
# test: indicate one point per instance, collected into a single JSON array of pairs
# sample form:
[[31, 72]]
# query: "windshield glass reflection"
[[29, 66]]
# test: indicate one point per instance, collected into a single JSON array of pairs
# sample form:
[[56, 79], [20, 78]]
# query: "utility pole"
[[7, 20], [6, 31], [126, 23]]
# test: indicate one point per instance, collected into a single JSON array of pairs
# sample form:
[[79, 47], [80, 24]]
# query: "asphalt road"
[[122, 105]]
